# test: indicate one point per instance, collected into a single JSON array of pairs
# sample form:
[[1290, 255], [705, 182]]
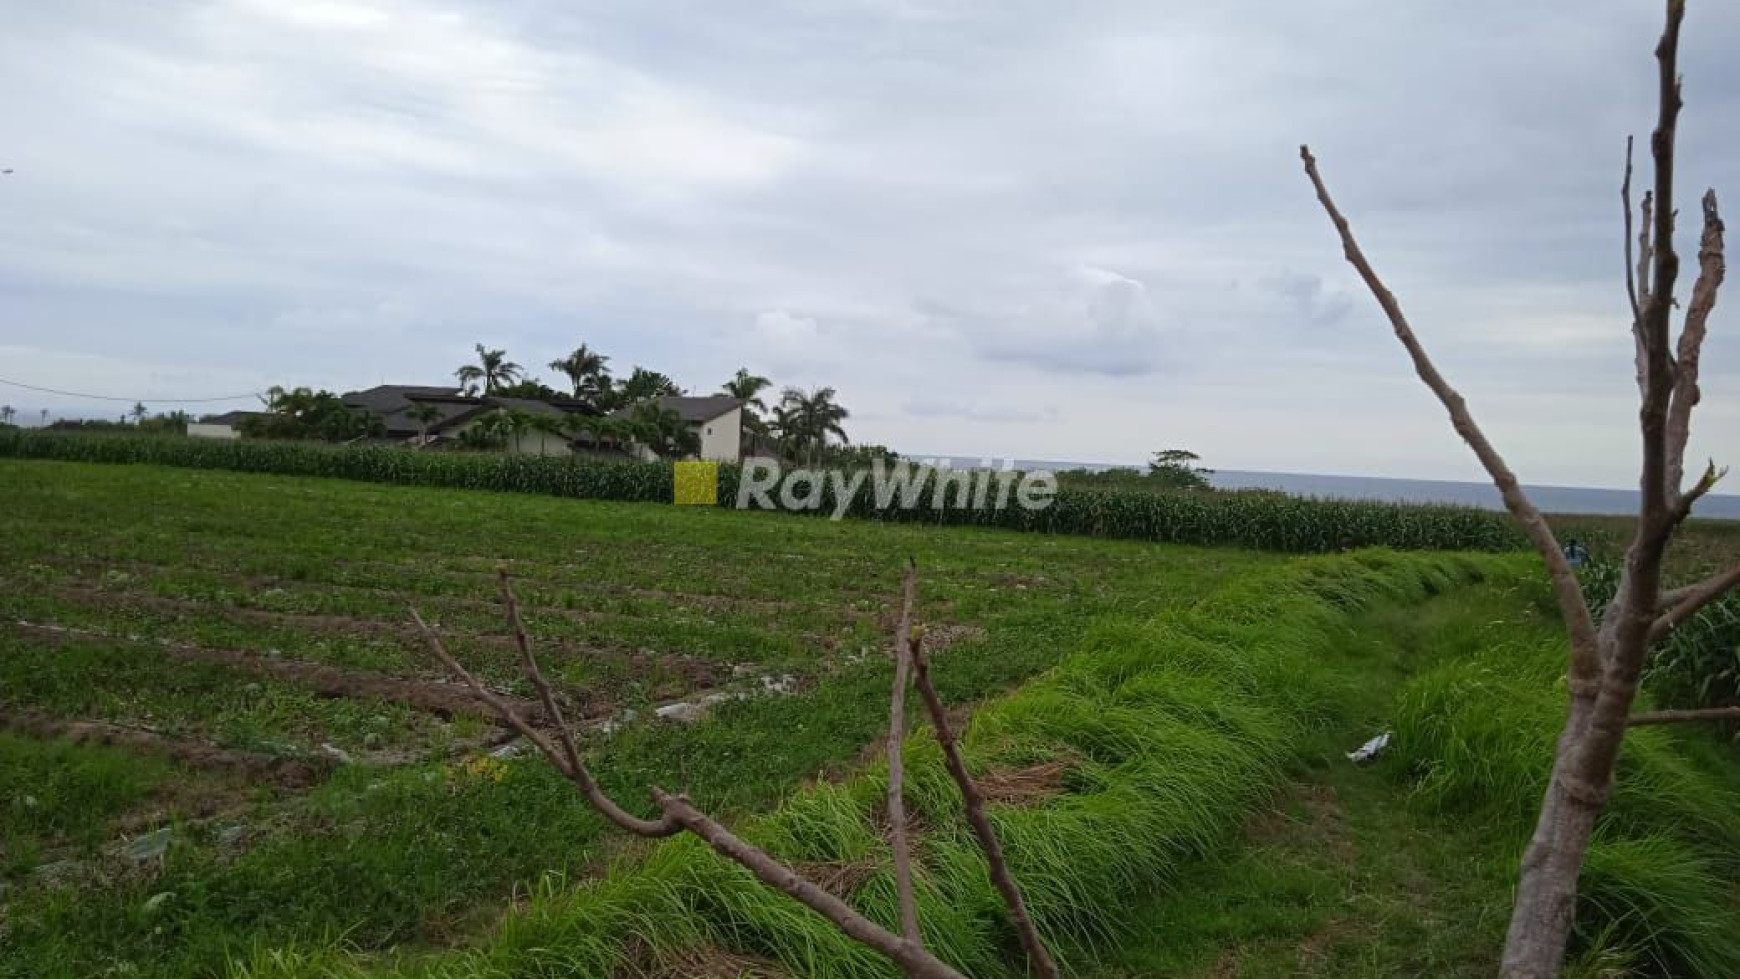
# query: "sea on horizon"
[[1551, 499]]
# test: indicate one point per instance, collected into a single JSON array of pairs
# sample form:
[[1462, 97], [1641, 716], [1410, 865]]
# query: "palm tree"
[[806, 420], [491, 430], [137, 412], [664, 431], [44, 416], [492, 368], [747, 388], [6, 413], [515, 424], [643, 385], [424, 414], [585, 371]]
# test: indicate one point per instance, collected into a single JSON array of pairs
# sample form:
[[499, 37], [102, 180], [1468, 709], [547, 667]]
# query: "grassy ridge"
[[1261, 520], [1171, 729]]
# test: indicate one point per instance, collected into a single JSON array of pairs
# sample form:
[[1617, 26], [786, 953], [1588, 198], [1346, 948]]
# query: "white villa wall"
[[526, 443], [722, 437], [202, 430]]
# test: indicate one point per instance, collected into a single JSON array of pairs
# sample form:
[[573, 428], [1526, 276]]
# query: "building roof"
[[387, 398], [538, 406], [451, 411], [392, 404], [231, 418], [691, 409]]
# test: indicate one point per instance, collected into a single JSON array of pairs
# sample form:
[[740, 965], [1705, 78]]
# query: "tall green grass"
[[1261, 520], [1476, 735], [1174, 729]]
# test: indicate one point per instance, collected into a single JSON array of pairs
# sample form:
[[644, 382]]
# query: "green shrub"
[[1698, 665]]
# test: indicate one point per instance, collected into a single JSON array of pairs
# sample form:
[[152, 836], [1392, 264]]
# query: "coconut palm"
[[6, 413], [585, 371], [644, 385], [806, 420], [747, 388], [137, 412], [492, 368], [424, 414], [664, 431]]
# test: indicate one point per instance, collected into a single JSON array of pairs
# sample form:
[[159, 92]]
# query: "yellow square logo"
[[696, 483]]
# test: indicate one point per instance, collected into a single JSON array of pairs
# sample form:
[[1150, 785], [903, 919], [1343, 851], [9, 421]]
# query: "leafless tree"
[[677, 814], [1606, 655]]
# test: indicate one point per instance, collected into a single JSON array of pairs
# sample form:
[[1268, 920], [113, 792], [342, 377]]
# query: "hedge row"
[[1269, 521]]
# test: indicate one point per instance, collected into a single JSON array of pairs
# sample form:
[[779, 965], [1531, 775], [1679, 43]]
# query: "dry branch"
[[913, 960], [1682, 716], [1585, 658], [1712, 268], [1633, 273], [678, 814], [974, 806], [1683, 603], [897, 764], [1606, 663]]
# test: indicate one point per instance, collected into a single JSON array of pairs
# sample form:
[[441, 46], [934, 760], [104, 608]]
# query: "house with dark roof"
[[716, 420], [436, 415]]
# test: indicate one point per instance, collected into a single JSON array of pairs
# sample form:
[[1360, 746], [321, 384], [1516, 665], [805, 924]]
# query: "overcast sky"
[[1010, 228]]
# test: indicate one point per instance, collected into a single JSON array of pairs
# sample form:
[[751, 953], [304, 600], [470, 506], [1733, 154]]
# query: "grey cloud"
[[892, 198], [987, 413]]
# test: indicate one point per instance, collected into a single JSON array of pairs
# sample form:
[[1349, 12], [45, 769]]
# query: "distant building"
[[225, 426]]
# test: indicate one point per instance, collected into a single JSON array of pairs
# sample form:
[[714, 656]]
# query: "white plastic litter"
[[1371, 749]]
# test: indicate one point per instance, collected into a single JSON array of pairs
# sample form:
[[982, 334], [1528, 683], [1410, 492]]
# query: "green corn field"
[[1267, 521]]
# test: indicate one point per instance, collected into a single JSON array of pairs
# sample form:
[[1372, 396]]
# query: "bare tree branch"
[[576, 772], [1585, 657], [1712, 268], [913, 960], [974, 805], [678, 814], [1683, 603], [1685, 716], [1707, 482], [1632, 272], [529, 663], [1645, 253], [896, 763], [1654, 327]]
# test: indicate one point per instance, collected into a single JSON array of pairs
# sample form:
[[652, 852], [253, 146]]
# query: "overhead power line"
[[110, 397]]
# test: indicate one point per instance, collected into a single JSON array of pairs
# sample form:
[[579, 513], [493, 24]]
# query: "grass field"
[[239, 631], [228, 754]]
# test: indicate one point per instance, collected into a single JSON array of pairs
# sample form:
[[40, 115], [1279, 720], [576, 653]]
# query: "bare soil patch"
[[434, 697], [286, 772]]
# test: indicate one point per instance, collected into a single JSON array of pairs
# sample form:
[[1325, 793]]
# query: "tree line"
[[800, 425]]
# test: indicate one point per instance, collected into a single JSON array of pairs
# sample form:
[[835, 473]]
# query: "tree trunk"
[[1546, 897]]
